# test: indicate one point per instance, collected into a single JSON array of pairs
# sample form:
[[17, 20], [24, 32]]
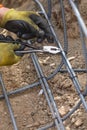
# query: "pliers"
[[44, 49]]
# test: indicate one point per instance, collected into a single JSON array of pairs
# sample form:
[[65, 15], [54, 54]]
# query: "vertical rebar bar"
[[48, 94], [8, 104], [78, 15]]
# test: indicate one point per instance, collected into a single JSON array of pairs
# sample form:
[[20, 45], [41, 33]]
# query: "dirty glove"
[[7, 52], [27, 25]]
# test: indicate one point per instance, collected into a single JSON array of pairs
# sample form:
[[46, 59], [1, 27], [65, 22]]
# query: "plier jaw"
[[51, 49]]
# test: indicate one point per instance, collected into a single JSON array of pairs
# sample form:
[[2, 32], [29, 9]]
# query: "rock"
[[15, 115], [63, 110], [71, 58], [40, 103], [57, 98], [28, 67], [44, 61], [5, 113], [67, 128], [41, 92], [32, 125], [78, 123], [52, 64], [73, 120], [24, 84]]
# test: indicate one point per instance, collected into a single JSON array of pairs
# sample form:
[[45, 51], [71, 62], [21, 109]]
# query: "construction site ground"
[[30, 109]]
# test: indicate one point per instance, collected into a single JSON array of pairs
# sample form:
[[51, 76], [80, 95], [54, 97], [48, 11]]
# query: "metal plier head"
[[51, 49]]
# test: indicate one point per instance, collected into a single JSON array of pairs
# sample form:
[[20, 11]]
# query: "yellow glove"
[[27, 25], [7, 53]]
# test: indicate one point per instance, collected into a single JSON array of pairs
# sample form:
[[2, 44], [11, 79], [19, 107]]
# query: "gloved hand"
[[7, 52], [27, 25]]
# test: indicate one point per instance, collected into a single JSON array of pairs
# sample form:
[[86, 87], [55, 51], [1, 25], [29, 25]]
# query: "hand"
[[27, 25], [7, 52]]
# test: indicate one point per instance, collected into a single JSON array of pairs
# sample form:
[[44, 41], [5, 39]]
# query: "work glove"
[[27, 25], [7, 52]]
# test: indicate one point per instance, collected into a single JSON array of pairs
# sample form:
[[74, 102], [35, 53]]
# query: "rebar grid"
[[58, 121]]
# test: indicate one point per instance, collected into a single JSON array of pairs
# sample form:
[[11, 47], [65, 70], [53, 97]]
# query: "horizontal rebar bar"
[[20, 90]]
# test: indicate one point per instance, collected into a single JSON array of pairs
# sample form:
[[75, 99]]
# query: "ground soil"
[[30, 109]]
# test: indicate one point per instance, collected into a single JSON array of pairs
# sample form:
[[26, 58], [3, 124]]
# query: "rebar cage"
[[43, 81]]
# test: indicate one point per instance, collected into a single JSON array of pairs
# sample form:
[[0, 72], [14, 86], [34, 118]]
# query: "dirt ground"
[[30, 109]]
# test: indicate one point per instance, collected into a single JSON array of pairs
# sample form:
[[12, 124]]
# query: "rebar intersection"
[[58, 121]]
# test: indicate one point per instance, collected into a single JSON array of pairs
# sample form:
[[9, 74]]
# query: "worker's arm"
[[26, 24]]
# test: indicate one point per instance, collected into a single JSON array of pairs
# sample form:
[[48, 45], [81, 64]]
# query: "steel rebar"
[[8, 104], [58, 121], [78, 15], [47, 91], [65, 60]]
